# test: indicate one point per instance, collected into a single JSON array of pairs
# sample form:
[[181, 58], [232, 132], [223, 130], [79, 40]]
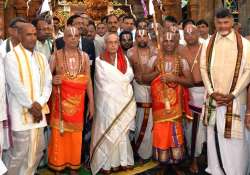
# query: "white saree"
[[115, 111]]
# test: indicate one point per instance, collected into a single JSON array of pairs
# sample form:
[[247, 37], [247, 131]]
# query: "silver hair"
[[106, 37]]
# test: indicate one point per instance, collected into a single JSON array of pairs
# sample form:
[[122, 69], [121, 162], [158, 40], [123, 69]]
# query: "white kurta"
[[113, 99], [3, 112], [234, 152], [18, 97], [3, 47], [44, 48], [4, 139]]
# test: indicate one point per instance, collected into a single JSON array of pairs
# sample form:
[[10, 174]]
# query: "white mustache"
[[224, 32]]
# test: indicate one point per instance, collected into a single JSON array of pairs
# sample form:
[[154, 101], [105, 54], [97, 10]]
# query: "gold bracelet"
[[248, 114]]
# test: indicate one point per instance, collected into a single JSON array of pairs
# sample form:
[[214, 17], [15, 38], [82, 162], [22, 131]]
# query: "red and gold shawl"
[[121, 61], [169, 101], [72, 102]]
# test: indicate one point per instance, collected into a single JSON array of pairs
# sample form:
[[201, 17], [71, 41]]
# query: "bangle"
[[247, 114]]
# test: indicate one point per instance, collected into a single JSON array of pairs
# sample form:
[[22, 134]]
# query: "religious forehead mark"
[[126, 36], [190, 28], [73, 31], [141, 32], [170, 36]]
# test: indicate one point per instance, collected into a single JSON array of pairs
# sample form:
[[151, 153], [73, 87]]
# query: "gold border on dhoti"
[[110, 127]]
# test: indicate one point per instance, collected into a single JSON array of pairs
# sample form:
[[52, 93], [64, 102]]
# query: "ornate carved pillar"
[[2, 12], [9, 13], [158, 11], [194, 9], [1, 8], [173, 8], [20, 6]]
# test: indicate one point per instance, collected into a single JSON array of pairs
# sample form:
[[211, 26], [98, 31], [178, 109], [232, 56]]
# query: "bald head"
[[23, 27], [27, 35], [170, 41], [70, 30], [71, 37]]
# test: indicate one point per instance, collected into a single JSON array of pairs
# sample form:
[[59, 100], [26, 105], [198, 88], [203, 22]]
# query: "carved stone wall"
[[197, 9], [173, 8], [244, 16]]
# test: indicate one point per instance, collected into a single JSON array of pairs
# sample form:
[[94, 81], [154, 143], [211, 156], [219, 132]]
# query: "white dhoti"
[[248, 142], [26, 153], [3, 169], [144, 121], [195, 104], [234, 152], [114, 118]]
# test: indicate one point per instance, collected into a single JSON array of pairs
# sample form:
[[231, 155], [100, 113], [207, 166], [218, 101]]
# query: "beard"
[[142, 44], [126, 47]]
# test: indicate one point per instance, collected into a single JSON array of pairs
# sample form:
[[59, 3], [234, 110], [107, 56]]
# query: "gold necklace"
[[72, 74]]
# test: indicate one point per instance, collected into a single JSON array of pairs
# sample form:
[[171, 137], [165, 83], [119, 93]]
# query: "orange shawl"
[[72, 101], [169, 101]]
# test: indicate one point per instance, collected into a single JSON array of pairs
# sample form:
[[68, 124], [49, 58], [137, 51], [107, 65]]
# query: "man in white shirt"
[[129, 25], [203, 29], [43, 44], [225, 71], [5, 47], [29, 79], [3, 112], [13, 40], [58, 32], [99, 44]]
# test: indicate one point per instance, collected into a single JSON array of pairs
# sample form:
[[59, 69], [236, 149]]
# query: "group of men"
[[154, 91]]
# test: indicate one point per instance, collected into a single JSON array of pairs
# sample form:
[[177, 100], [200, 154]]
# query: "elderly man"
[[115, 110], [74, 81], [29, 79], [225, 70]]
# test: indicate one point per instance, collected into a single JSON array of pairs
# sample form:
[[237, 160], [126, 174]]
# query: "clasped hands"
[[222, 99], [36, 112], [168, 78]]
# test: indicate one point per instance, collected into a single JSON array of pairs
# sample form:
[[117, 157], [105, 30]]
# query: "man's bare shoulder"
[[182, 51], [131, 51]]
